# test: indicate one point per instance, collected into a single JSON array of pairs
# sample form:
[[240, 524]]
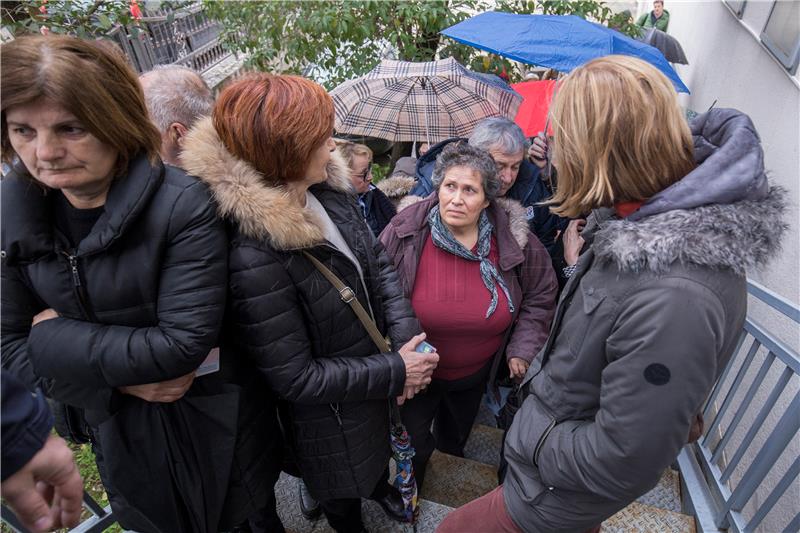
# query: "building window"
[[781, 34], [737, 6]]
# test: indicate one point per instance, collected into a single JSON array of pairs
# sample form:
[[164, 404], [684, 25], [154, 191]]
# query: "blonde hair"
[[620, 135], [350, 150]]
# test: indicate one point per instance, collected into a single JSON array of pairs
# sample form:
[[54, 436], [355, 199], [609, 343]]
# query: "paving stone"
[[641, 518], [484, 445], [667, 494], [454, 481]]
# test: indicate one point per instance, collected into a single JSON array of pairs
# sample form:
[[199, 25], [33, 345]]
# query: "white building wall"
[[729, 65]]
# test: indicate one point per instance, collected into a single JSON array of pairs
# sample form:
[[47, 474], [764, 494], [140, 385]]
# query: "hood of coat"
[[396, 186], [723, 214], [413, 210], [262, 211]]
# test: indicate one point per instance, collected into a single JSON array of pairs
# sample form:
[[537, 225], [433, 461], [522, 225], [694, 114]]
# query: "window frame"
[[790, 61], [737, 8]]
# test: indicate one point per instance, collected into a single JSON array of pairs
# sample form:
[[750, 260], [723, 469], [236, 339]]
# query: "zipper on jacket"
[[539, 444], [80, 290], [337, 411]]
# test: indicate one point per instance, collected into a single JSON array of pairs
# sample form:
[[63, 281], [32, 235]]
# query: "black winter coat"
[[307, 342], [140, 300], [379, 209]]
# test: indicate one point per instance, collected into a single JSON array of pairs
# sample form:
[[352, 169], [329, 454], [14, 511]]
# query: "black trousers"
[[344, 515], [451, 407]]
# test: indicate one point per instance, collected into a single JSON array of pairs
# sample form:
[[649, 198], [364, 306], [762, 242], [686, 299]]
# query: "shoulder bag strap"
[[349, 297]]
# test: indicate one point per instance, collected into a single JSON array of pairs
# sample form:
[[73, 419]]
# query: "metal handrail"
[[100, 519], [718, 501]]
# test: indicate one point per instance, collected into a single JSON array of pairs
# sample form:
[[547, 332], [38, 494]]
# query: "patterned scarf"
[[444, 239]]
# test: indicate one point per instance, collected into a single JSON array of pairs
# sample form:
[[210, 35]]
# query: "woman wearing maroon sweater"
[[482, 287]]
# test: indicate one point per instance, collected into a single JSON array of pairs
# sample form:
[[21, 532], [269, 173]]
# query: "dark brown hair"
[[274, 123], [89, 79]]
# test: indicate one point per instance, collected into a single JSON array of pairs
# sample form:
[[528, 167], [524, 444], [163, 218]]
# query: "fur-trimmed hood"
[[262, 211], [721, 215], [416, 217], [396, 186]]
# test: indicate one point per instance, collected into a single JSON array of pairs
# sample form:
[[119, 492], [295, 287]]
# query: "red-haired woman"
[[266, 153]]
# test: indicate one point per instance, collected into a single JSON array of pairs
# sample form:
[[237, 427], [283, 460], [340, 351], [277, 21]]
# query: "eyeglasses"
[[367, 171]]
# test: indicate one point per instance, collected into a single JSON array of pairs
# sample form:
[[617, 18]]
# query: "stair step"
[[484, 445], [431, 514], [667, 494], [641, 518], [454, 481]]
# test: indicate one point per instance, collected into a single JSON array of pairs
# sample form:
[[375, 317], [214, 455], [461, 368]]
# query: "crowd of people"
[[194, 284]]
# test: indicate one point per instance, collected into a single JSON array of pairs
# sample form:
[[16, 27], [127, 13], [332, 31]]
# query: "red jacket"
[[524, 264]]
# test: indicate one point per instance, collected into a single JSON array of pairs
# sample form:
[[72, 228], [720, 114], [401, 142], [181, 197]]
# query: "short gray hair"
[[461, 154], [176, 94], [499, 133]]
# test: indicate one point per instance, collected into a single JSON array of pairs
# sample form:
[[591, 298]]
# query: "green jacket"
[[646, 21]]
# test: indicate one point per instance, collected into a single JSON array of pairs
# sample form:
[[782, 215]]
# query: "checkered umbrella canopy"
[[403, 101]]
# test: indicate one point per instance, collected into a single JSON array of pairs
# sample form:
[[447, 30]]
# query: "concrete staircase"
[[453, 481]]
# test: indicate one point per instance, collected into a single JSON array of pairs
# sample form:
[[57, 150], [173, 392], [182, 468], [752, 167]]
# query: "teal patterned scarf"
[[443, 238]]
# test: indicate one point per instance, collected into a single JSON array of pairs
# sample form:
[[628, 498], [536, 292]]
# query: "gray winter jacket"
[[642, 331]]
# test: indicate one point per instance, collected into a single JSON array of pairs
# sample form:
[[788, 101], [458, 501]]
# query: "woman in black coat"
[[113, 291], [267, 156]]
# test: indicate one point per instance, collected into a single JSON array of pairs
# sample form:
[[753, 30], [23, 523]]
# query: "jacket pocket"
[[532, 424], [578, 322]]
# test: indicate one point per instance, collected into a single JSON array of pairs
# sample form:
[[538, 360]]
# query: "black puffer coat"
[[307, 342], [140, 300]]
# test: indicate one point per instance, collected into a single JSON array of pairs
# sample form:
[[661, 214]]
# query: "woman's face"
[[461, 198], [317, 167], [58, 150], [361, 173]]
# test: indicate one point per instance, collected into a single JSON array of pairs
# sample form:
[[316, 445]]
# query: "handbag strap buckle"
[[347, 295]]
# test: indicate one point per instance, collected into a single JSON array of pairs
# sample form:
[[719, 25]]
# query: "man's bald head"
[[176, 97]]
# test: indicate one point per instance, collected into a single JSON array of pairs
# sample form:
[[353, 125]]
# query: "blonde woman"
[[375, 207], [652, 312]]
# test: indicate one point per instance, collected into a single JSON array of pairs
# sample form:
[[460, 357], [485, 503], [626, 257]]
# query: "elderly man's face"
[[507, 167], [658, 8]]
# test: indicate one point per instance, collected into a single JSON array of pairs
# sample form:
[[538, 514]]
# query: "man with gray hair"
[[521, 180], [176, 97]]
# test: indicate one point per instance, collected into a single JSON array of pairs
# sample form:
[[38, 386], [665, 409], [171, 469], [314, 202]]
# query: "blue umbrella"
[[561, 42]]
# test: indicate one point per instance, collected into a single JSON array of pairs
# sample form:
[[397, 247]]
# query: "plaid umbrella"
[[404, 101], [402, 452]]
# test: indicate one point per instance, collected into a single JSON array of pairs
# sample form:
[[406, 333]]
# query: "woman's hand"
[[419, 366], [47, 314], [161, 392], [573, 242], [517, 367]]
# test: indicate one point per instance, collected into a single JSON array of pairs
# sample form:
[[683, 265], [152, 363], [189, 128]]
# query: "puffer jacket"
[[140, 300], [285, 316], [523, 264], [643, 329]]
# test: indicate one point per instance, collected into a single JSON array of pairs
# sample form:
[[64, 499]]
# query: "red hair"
[[274, 123]]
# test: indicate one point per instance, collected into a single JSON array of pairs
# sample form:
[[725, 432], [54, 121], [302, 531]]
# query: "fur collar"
[[515, 213], [396, 186], [738, 236], [262, 211]]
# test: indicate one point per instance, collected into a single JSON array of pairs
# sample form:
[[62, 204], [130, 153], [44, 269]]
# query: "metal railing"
[[163, 37], [723, 469], [100, 518]]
